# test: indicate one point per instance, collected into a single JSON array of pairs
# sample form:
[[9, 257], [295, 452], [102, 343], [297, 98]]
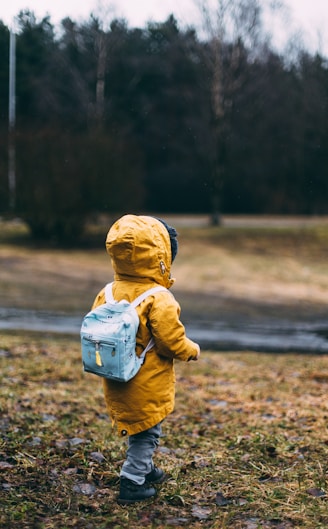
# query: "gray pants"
[[139, 455]]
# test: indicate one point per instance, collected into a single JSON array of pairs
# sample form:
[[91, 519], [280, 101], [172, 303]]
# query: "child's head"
[[142, 248]]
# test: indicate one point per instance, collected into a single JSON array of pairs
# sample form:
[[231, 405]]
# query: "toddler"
[[142, 249]]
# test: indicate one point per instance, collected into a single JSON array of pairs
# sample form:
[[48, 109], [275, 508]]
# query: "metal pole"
[[12, 120]]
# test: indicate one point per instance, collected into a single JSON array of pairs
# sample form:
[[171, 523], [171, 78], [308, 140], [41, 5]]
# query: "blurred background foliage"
[[117, 119]]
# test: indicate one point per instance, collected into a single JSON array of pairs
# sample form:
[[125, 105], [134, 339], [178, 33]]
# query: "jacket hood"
[[140, 250]]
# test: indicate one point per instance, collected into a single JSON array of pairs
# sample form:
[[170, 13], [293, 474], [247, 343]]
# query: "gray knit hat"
[[173, 238]]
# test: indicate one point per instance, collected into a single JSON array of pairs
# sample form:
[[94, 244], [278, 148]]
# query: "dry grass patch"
[[246, 447], [276, 265], [282, 265]]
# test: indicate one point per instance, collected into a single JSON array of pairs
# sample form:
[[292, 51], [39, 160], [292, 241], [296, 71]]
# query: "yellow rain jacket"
[[140, 250]]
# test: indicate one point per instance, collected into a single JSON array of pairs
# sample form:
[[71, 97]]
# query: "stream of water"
[[258, 335]]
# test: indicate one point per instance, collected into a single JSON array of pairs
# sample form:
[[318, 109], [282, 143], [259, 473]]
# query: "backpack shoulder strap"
[[148, 292], [109, 293], [110, 299]]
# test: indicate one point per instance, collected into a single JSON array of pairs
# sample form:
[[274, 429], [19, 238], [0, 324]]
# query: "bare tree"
[[231, 28]]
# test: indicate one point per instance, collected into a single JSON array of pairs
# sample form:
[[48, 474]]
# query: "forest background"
[[111, 119]]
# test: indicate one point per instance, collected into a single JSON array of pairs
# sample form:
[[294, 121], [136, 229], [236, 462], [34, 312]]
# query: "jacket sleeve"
[[168, 331]]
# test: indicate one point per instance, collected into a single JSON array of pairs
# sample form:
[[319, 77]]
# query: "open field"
[[246, 447], [269, 262]]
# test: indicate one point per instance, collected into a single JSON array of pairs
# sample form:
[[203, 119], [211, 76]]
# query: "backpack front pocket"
[[100, 357]]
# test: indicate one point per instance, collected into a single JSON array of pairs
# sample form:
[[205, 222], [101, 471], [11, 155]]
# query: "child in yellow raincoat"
[[142, 250]]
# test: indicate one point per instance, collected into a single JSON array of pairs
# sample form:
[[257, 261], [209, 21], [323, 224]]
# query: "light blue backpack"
[[108, 337]]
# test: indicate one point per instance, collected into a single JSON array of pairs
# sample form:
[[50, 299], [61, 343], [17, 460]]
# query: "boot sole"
[[129, 502]]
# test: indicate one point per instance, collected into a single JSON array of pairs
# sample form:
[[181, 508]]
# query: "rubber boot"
[[131, 492]]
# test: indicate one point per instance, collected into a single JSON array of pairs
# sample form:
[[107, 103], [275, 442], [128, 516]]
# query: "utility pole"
[[12, 119]]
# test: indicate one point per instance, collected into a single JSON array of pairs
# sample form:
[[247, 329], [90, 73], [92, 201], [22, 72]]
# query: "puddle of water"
[[20, 319], [305, 338], [266, 336]]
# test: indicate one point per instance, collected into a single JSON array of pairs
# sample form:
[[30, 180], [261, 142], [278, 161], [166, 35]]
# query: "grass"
[[284, 265], [245, 448], [247, 445]]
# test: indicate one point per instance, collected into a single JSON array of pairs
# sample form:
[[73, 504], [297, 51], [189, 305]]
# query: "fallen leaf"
[[317, 493], [35, 441], [240, 501], [71, 471], [5, 464], [221, 500], [98, 456], [76, 441], [202, 513], [85, 488]]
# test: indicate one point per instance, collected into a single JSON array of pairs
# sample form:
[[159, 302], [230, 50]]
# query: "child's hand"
[[195, 358]]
